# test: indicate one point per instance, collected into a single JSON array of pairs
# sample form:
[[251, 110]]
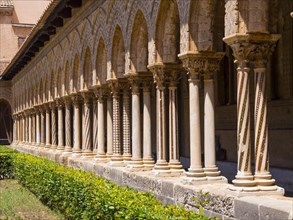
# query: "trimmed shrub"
[[6, 162], [81, 195]]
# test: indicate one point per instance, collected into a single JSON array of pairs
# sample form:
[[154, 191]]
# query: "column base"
[[188, 180], [53, 147], [161, 169], [109, 156], [135, 165], [212, 171], [244, 181], [264, 179], [127, 158], [59, 148], [87, 154], [196, 173], [255, 191], [68, 149], [48, 146], [117, 161], [76, 153], [100, 158], [148, 164]]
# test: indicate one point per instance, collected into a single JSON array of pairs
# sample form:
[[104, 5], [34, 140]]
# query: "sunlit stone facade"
[[145, 85]]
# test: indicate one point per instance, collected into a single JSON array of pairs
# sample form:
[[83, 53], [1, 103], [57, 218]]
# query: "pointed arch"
[[101, 63], [76, 74], [167, 38], [118, 54], [139, 44], [87, 76]]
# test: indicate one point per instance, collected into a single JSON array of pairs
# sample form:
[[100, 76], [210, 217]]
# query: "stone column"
[[38, 133], [95, 122], [48, 126], [210, 168], [43, 112], [136, 163], [174, 164], [60, 105], [126, 124], [86, 146], [54, 125], [14, 130], [109, 126], [116, 159], [194, 64], [262, 176], [161, 167], [33, 127], [147, 129], [68, 145], [101, 155], [76, 124], [244, 179]]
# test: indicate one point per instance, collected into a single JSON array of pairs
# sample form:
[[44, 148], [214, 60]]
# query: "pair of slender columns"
[[206, 64], [252, 49], [137, 162], [162, 74]]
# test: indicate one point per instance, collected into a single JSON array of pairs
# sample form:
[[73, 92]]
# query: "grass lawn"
[[16, 202]]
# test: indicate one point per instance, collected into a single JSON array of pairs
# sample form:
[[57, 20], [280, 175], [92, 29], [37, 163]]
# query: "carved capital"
[[76, 99], [87, 97], [135, 84], [254, 47], [100, 93], [59, 103], [67, 101]]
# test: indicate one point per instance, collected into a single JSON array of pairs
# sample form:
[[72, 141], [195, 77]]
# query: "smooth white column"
[[195, 170], [76, 124], [101, 155], [43, 112], [33, 127], [210, 168], [54, 125], [147, 129], [136, 160], [38, 132], [60, 125], [95, 124], [68, 145], [48, 127]]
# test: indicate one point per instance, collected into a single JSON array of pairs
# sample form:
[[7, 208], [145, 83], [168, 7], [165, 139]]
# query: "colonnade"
[[117, 134]]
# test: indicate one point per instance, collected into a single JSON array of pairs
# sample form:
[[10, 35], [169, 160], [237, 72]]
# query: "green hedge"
[[81, 195], [6, 162]]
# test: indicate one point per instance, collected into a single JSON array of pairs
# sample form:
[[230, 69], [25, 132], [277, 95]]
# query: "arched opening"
[[118, 55], [101, 63], [139, 44], [167, 32], [87, 70], [6, 122]]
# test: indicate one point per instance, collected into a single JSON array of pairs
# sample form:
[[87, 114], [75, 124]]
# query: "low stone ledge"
[[171, 190]]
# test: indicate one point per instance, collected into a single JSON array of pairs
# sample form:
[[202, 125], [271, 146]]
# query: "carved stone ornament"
[[252, 47]]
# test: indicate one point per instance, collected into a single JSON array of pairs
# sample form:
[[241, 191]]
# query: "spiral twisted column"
[[116, 159], [86, 130], [262, 176], [148, 161], [101, 155], [68, 145], [161, 167], [76, 100], [194, 64], [242, 50], [136, 161], [53, 125]]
